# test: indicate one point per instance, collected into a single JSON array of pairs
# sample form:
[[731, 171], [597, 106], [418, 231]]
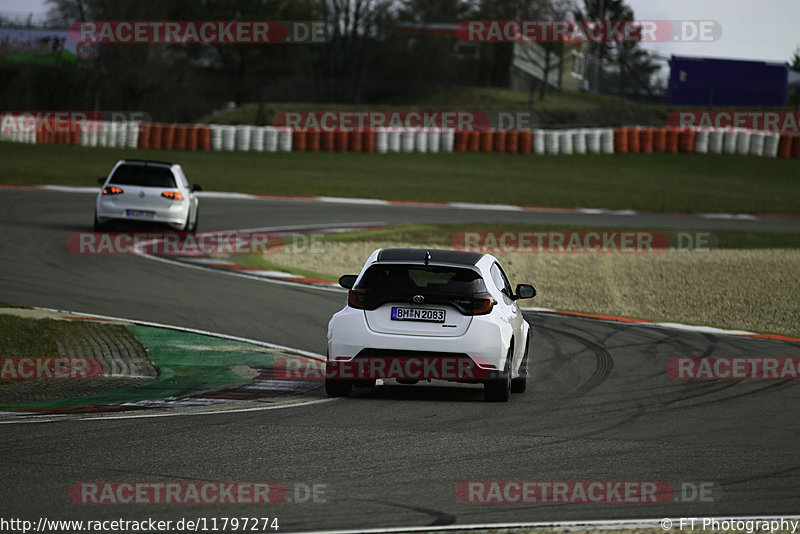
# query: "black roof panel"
[[437, 255], [147, 162]]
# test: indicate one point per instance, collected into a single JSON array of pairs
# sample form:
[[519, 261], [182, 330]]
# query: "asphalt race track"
[[600, 406]]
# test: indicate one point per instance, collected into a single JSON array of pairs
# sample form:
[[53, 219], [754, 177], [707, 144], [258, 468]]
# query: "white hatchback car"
[[147, 191], [416, 314]]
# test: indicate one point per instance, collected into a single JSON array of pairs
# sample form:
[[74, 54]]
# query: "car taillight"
[[172, 195], [111, 190], [357, 298], [482, 305]]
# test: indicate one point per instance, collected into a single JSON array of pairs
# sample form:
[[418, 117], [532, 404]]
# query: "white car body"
[[487, 339], [147, 191]]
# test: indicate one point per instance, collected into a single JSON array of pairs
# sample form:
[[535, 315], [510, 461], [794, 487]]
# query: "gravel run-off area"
[[754, 290]]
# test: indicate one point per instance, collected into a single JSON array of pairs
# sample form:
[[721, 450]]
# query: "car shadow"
[[136, 226], [422, 392]]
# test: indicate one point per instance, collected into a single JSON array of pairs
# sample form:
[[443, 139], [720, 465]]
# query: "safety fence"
[[224, 138]]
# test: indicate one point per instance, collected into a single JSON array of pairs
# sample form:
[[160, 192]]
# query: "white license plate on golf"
[[140, 213], [418, 314]]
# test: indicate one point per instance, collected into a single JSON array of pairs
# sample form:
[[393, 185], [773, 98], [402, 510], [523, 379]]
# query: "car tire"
[[335, 387], [196, 221], [520, 384], [499, 389], [365, 383], [98, 226]]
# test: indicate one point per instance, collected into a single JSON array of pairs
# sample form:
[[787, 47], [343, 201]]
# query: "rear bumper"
[[175, 215], [408, 365], [474, 356]]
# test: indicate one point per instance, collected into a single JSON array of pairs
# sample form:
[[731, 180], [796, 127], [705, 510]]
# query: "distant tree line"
[[365, 60]]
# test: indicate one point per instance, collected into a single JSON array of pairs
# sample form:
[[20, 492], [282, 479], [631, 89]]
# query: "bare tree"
[[601, 11], [553, 50], [795, 60], [63, 12], [627, 56], [354, 26]]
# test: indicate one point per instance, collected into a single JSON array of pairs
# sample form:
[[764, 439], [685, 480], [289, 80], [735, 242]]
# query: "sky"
[[763, 29]]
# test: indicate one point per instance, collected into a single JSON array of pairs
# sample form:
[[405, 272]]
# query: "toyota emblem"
[[418, 299]]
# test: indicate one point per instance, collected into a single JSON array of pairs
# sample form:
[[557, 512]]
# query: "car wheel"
[[499, 389], [196, 220], [335, 387], [98, 226], [520, 384]]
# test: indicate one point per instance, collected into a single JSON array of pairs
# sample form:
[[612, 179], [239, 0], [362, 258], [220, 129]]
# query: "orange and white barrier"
[[218, 137]]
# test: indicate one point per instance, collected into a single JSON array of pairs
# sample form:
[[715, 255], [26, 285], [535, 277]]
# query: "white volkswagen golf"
[[416, 314], [147, 191]]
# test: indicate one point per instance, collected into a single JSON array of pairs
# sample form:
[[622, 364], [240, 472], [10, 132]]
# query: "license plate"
[[140, 213], [418, 314]]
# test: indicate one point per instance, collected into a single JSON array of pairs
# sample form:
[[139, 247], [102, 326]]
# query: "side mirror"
[[196, 187], [347, 281], [101, 180], [525, 291]]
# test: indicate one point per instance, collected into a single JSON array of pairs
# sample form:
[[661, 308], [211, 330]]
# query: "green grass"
[[650, 182], [494, 98], [246, 113], [32, 338], [36, 338], [558, 107], [466, 98]]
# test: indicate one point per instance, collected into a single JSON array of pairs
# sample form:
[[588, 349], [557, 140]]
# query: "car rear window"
[[407, 279], [144, 176]]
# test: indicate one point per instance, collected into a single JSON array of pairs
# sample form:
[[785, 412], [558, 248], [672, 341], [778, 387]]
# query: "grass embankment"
[[462, 98], [37, 338], [748, 282], [557, 108], [29, 334]]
